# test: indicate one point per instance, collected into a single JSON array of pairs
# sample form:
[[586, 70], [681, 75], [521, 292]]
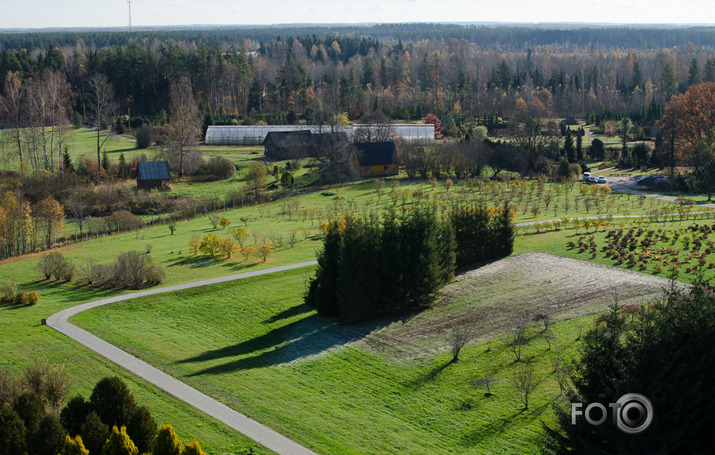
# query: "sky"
[[114, 13]]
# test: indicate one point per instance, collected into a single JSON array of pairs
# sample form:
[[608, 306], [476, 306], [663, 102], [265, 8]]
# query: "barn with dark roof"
[[377, 158], [152, 174], [284, 145]]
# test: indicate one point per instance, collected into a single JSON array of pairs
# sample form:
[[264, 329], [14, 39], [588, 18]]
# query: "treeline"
[[281, 79], [372, 267], [507, 36]]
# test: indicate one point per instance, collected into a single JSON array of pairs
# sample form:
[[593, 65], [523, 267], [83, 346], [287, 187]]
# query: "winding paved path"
[[254, 430]]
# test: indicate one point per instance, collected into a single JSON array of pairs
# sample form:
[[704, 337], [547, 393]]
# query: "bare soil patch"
[[494, 295]]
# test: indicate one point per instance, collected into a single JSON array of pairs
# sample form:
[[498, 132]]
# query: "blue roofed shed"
[[152, 174]]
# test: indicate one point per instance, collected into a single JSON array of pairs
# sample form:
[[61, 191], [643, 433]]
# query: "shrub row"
[[131, 270]]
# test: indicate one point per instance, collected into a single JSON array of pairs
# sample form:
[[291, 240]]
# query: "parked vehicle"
[[602, 179], [592, 180], [653, 181], [586, 176]]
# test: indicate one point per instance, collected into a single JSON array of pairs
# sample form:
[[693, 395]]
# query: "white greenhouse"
[[419, 133]]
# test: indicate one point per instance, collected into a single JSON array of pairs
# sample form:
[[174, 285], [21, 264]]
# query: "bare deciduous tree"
[[185, 125], [11, 109], [525, 381], [459, 337], [102, 107], [486, 381], [517, 337]]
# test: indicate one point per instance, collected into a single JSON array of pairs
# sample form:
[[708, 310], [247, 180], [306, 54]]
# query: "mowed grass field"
[[379, 387]]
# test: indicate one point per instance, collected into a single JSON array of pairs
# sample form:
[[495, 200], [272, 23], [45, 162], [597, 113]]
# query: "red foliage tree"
[[431, 118]]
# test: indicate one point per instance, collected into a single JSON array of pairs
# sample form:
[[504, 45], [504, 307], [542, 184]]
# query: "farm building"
[[377, 158], [152, 174], [284, 145], [569, 121], [419, 133]]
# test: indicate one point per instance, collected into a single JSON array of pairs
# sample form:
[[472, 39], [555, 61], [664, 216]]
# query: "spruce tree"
[[166, 442], [322, 292], [569, 149], [119, 443], [67, 161], [579, 145]]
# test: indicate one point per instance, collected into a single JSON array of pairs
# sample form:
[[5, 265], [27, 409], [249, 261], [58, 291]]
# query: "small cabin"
[[377, 158], [152, 174]]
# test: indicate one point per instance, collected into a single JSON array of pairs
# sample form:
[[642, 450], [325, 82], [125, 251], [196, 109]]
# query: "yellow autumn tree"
[[50, 219]]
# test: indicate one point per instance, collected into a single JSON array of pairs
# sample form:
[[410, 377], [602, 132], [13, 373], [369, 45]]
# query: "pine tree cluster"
[[374, 267]]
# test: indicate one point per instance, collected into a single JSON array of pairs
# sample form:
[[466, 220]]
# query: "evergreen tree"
[[597, 151], [569, 150], [119, 443], [564, 171], [579, 145], [617, 359], [166, 442], [122, 166], [694, 76], [74, 414], [667, 81], [112, 401], [31, 410], [709, 71], [105, 161], [94, 433], [73, 446], [12, 433], [637, 80], [193, 448], [357, 287], [322, 292], [142, 428], [49, 437], [67, 165]]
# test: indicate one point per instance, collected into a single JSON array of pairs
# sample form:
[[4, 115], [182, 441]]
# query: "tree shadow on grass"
[[429, 375], [195, 262], [306, 337], [494, 429], [289, 313]]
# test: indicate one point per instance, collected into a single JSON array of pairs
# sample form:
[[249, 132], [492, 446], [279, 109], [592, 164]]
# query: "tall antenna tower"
[[129, 2]]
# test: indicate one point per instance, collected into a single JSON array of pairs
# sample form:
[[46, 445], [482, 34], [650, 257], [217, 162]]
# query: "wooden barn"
[[152, 174], [377, 158], [285, 145]]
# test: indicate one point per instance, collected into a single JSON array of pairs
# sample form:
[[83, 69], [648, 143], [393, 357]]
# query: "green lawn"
[[256, 347]]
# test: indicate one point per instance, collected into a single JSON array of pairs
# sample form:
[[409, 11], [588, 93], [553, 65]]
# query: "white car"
[[602, 179], [586, 176]]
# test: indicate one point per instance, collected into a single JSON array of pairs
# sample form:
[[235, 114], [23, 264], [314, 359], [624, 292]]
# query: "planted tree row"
[[371, 267]]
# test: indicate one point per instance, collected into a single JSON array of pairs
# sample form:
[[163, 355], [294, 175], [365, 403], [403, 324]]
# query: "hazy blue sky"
[[113, 13]]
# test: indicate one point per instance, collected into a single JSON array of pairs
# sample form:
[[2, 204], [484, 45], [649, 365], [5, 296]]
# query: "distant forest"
[[399, 71]]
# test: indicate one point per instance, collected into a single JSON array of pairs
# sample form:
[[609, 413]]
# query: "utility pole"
[[129, 2]]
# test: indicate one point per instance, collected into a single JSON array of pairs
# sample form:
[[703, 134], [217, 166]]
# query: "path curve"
[[254, 430]]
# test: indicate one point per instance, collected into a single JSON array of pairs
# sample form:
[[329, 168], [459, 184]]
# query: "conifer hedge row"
[[374, 266]]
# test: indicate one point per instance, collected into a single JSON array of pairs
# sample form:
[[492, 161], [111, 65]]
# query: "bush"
[[145, 136], [55, 264], [133, 270], [221, 168], [28, 298], [9, 291], [123, 220]]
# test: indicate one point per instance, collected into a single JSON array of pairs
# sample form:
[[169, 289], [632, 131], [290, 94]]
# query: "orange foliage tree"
[[689, 125]]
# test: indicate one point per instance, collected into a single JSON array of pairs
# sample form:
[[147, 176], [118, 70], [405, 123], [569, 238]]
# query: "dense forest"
[[403, 71]]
